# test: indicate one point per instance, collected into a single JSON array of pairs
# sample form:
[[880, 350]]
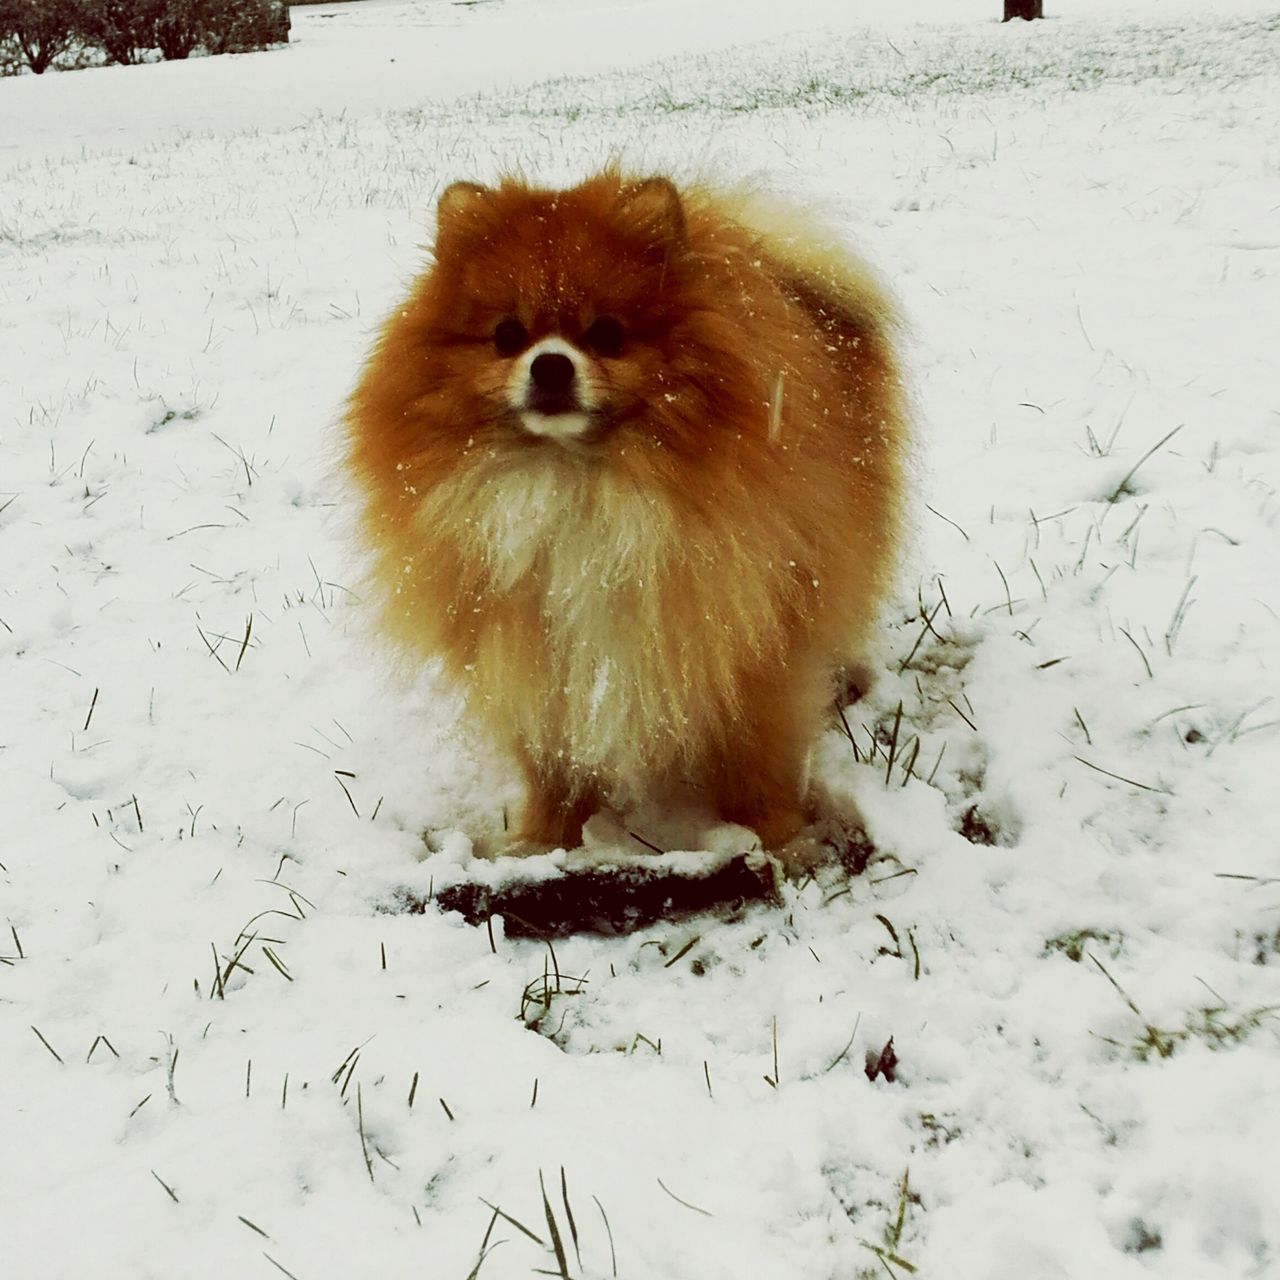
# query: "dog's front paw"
[[521, 847]]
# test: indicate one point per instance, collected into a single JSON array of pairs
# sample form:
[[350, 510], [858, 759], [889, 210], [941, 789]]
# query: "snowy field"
[[224, 1051]]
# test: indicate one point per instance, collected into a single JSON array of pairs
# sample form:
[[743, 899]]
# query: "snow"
[[202, 749]]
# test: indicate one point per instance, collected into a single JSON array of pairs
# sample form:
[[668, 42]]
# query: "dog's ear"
[[463, 207], [655, 204]]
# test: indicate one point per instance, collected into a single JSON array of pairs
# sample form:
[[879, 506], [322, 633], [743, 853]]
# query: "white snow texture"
[[225, 1050]]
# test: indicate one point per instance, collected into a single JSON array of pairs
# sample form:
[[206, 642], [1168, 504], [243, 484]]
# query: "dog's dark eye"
[[605, 336], [510, 337]]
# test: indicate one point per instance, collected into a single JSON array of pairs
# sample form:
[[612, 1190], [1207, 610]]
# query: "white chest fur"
[[607, 676]]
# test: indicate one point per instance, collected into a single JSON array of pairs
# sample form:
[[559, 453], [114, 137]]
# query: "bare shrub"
[[35, 32], [179, 27], [238, 26], [123, 29]]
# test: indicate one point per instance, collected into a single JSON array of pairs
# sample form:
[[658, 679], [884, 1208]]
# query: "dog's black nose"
[[552, 372]]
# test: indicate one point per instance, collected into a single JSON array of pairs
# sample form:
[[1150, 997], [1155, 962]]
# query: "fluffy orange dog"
[[631, 459]]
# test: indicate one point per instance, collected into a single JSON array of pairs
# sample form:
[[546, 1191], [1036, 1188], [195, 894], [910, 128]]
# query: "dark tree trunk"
[[38, 56], [1027, 9]]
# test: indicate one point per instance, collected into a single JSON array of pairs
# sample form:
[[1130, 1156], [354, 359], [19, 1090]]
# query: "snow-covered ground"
[[224, 1051]]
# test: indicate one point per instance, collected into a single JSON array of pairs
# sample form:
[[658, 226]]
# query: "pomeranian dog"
[[631, 459]]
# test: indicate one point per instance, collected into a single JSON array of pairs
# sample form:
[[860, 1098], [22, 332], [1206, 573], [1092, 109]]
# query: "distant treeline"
[[68, 34]]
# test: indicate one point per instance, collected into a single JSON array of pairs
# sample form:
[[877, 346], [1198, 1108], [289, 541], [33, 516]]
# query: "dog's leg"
[[756, 779], [758, 773], [559, 800]]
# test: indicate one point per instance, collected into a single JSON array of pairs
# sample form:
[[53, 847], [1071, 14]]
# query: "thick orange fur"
[[666, 598]]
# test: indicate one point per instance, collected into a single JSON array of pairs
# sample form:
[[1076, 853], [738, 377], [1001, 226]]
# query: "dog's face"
[[573, 318]]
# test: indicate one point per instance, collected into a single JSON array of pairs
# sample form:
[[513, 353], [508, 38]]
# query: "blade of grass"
[[557, 1244]]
